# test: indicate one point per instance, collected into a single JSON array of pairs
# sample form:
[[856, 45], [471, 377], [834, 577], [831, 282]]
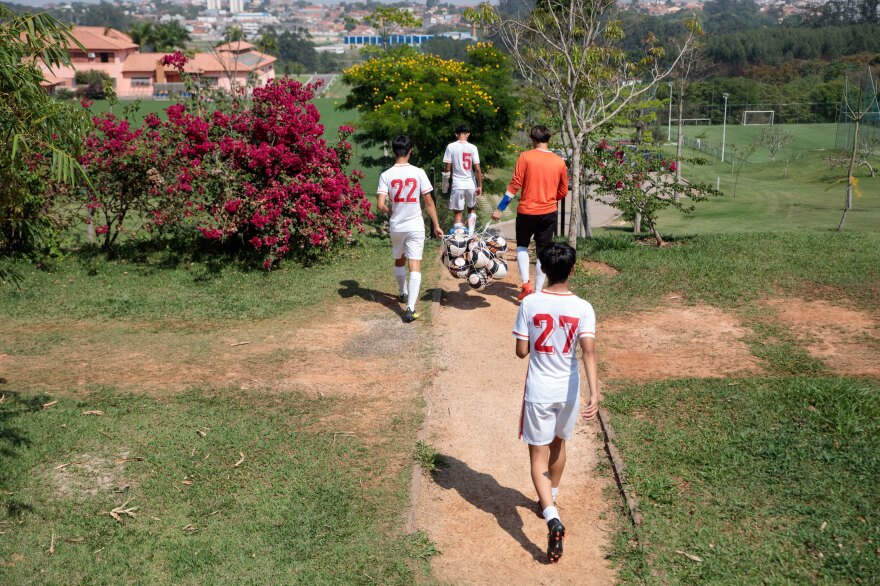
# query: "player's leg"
[[556, 465], [524, 232], [544, 230], [399, 255], [539, 459], [456, 204], [471, 202], [415, 245]]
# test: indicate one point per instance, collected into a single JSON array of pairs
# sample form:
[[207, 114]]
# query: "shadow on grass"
[[483, 491], [13, 440]]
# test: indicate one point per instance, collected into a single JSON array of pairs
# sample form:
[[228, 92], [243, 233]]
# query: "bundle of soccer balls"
[[475, 258]]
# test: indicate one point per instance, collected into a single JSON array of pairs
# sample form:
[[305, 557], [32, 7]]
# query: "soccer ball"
[[497, 244], [478, 279], [458, 268], [480, 256], [497, 268], [457, 245]]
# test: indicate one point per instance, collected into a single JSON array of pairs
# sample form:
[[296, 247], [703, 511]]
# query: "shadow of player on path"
[[483, 491], [350, 288]]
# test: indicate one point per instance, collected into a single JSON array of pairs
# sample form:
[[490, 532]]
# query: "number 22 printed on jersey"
[[404, 190]]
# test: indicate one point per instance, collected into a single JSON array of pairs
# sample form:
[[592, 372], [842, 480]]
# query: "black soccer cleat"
[[554, 540], [402, 297], [410, 316]]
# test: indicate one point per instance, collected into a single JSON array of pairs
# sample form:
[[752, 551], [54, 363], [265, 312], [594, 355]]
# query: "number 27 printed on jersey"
[[404, 190]]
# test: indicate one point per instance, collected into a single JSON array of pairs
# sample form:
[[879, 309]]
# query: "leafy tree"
[[386, 18], [162, 37], [93, 83], [447, 48], [641, 183], [232, 34], [39, 137], [572, 50], [774, 138], [102, 14], [425, 97]]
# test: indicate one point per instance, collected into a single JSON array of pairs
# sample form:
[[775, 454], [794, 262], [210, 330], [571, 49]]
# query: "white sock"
[[550, 513], [458, 225], [472, 223], [415, 281], [539, 277], [400, 275], [554, 492], [522, 261]]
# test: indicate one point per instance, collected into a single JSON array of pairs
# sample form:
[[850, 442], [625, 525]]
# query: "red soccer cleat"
[[526, 290]]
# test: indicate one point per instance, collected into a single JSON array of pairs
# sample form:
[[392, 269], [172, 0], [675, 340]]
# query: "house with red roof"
[[137, 74]]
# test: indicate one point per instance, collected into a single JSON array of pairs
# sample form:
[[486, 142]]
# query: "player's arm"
[[432, 213], [522, 348], [521, 333], [381, 203], [588, 348], [478, 173], [562, 189], [515, 185]]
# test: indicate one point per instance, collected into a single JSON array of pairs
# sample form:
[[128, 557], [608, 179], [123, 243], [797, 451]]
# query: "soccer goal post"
[[758, 117], [696, 121]]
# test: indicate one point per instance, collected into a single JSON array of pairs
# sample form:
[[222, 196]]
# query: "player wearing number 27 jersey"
[[549, 328], [553, 323]]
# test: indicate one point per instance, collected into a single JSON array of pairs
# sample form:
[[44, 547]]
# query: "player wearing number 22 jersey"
[[404, 186]]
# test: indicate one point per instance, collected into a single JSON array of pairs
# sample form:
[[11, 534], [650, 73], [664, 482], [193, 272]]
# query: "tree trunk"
[[637, 223], [575, 191], [680, 142], [91, 226], [849, 175], [657, 235]]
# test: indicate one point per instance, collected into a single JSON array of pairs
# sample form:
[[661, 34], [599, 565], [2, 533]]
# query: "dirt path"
[[481, 510]]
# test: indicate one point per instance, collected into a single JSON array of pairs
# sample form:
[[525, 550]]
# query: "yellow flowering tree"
[[426, 97]]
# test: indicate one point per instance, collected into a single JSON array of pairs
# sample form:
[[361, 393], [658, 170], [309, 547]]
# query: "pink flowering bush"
[[640, 183], [260, 177]]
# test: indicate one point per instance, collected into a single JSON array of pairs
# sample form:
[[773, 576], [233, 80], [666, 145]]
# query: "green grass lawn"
[[296, 510], [307, 505], [765, 481], [810, 197], [743, 473]]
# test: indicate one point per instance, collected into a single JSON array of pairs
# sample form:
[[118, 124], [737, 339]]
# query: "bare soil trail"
[[481, 509]]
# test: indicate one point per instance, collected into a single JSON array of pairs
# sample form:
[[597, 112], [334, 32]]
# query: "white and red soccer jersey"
[[463, 156], [553, 323], [404, 185]]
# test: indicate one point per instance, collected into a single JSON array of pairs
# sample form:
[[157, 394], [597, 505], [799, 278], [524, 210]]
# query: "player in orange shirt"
[[543, 178]]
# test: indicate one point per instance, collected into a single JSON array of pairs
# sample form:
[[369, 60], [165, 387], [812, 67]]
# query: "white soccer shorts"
[[541, 422], [459, 198], [409, 244]]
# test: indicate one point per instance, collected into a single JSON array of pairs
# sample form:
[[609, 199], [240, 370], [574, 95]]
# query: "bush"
[[260, 178], [92, 84]]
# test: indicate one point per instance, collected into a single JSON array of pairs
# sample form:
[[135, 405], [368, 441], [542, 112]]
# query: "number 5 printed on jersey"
[[399, 185], [466, 161]]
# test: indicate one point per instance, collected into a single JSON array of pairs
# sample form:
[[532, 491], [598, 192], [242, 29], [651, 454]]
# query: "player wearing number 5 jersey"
[[550, 326], [404, 186], [462, 162]]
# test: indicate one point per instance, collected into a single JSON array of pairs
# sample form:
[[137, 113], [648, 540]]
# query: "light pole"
[[724, 127], [669, 122]]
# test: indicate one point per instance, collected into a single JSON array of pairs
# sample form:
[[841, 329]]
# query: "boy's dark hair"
[[401, 145], [540, 133], [557, 261], [462, 129]]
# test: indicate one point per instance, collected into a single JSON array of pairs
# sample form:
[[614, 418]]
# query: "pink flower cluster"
[[262, 176], [177, 60]]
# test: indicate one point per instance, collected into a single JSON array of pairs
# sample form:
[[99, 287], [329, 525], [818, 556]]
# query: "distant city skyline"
[[322, 2]]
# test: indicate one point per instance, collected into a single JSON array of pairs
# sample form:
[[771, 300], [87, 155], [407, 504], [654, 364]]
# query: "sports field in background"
[[809, 196]]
